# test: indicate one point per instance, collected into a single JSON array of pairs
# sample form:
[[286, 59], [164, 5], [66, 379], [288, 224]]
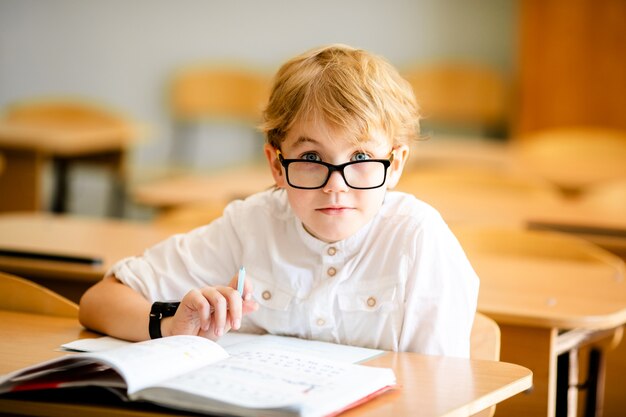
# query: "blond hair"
[[347, 88]]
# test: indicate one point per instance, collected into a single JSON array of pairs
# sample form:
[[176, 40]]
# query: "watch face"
[[164, 309]]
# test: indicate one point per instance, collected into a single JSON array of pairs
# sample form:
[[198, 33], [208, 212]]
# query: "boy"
[[330, 253]]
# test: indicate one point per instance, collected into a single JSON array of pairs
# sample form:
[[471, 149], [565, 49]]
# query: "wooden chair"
[[215, 94], [218, 92], [75, 116], [485, 338], [19, 294], [229, 98], [461, 95], [574, 158], [485, 344]]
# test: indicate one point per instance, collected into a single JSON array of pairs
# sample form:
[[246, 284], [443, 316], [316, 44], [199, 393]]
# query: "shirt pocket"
[[275, 305], [374, 298], [370, 316]]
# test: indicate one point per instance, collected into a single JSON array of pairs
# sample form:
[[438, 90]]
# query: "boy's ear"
[[275, 166], [401, 155]]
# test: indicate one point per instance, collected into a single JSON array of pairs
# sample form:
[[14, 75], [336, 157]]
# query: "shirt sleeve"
[[442, 293], [205, 256]]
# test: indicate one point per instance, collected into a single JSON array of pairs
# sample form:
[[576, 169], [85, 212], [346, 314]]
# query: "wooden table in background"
[[428, 386], [604, 226], [497, 206], [547, 307], [27, 150], [108, 239], [220, 187]]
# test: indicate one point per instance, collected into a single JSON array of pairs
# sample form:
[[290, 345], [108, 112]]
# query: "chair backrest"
[[574, 158], [485, 338], [461, 93], [485, 345], [215, 110], [19, 294], [218, 92]]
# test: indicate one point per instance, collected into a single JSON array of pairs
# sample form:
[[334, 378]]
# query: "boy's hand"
[[210, 311]]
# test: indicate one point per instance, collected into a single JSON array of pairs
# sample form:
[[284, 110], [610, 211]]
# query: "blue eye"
[[310, 156], [360, 156]]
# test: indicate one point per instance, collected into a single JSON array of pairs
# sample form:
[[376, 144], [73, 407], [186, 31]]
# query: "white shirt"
[[401, 283]]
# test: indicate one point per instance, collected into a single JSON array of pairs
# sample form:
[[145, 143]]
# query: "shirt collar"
[[347, 246]]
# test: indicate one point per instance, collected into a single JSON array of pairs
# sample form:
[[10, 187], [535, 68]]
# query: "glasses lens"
[[365, 174], [306, 174]]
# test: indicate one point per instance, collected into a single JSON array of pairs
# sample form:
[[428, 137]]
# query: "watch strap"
[[158, 311]]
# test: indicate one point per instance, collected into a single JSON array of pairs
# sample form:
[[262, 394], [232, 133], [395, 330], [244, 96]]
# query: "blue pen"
[[240, 280]]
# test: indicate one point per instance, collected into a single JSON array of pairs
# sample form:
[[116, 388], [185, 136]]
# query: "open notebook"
[[267, 375]]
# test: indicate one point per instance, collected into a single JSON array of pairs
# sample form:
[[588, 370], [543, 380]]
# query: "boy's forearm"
[[112, 308]]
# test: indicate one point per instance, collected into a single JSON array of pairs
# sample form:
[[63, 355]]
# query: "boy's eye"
[[310, 156], [360, 156]]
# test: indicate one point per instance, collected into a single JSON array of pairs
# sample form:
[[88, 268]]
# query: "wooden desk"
[[546, 307], [520, 305], [510, 200], [454, 151], [26, 150], [428, 385], [220, 187], [110, 239], [603, 225]]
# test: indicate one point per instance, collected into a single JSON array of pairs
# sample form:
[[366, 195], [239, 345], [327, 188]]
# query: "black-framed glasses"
[[360, 175]]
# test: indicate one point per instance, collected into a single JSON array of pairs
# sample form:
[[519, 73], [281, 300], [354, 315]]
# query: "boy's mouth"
[[334, 210]]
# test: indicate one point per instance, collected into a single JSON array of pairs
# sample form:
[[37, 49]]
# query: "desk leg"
[[595, 384], [118, 193], [533, 348], [116, 162], [113, 160], [567, 384], [61, 185], [20, 182]]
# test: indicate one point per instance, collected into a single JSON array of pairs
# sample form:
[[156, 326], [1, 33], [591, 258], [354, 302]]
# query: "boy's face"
[[335, 211]]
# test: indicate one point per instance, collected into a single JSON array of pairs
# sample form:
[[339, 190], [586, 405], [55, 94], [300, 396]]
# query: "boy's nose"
[[336, 183]]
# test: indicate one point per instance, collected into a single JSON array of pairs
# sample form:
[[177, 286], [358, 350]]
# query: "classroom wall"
[[122, 52]]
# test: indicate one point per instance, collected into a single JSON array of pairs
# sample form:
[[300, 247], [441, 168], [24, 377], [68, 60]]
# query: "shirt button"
[[332, 251], [321, 322], [331, 271], [371, 301], [266, 295]]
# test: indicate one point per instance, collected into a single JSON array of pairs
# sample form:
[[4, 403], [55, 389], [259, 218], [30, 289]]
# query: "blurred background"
[[123, 54], [487, 70]]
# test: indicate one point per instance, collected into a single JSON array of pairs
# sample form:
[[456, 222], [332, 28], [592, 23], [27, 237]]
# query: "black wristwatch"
[[158, 311]]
